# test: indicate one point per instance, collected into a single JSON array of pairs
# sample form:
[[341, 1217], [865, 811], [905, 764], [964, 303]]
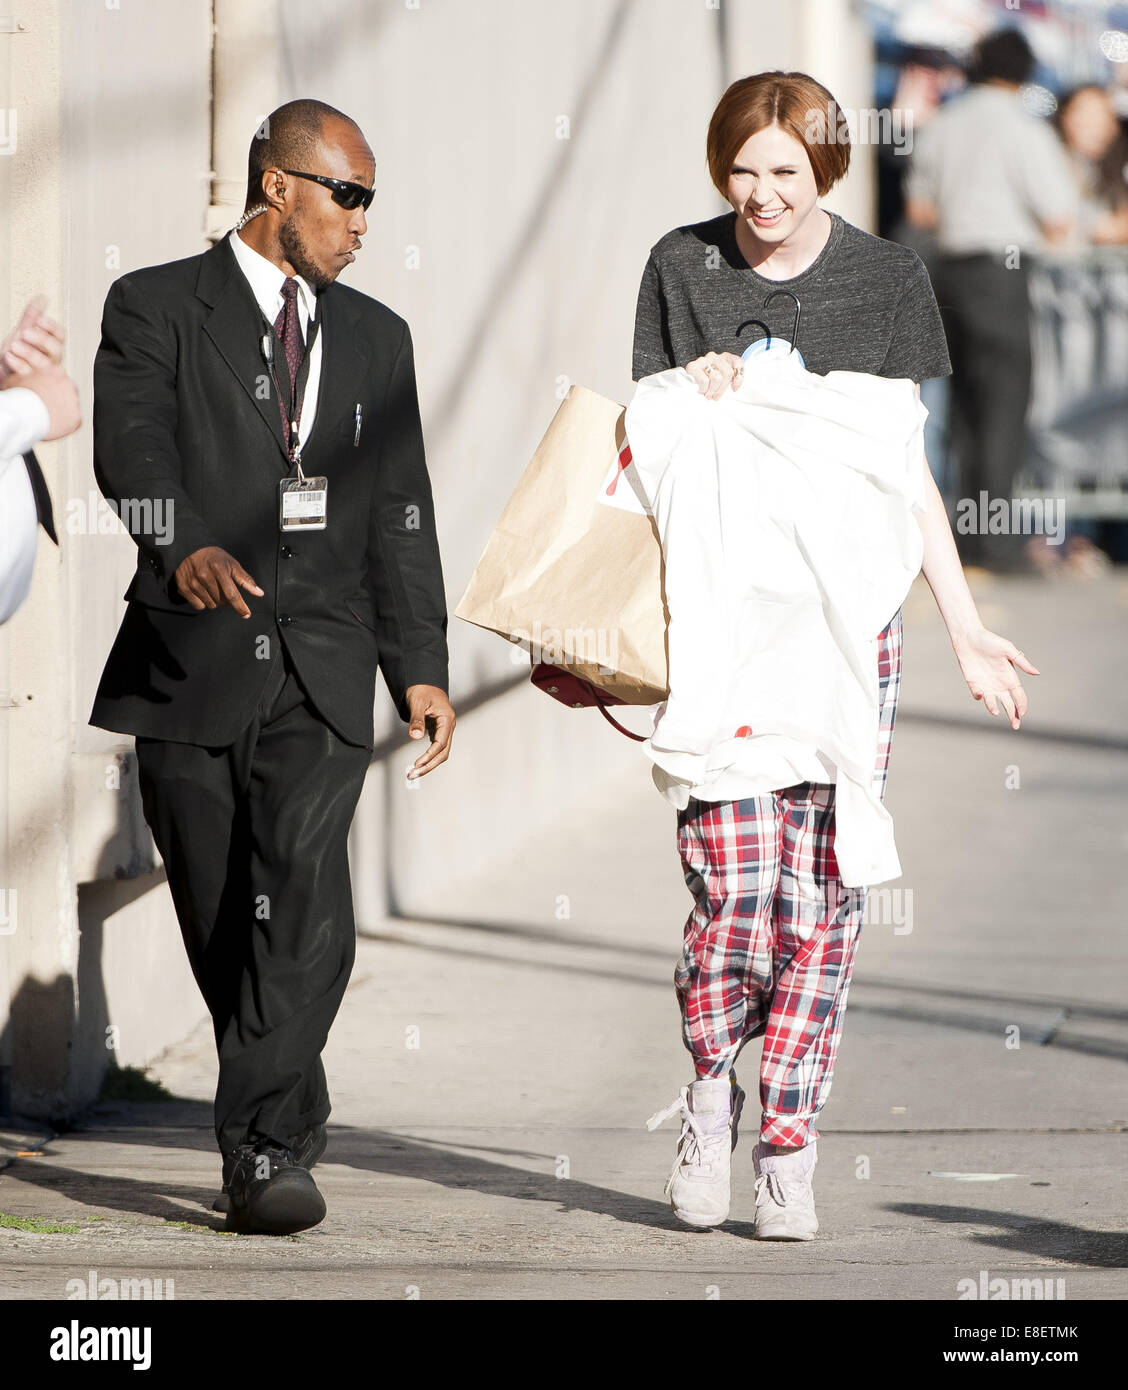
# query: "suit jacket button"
[[287, 552], [284, 619]]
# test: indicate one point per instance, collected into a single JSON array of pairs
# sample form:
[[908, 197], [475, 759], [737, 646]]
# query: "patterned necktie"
[[288, 328]]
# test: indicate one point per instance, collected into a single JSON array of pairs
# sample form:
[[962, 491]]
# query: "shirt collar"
[[266, 280]]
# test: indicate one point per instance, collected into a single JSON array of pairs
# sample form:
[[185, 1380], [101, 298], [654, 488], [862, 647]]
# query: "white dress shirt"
[[266, 281], [23, 423], [785, 512]]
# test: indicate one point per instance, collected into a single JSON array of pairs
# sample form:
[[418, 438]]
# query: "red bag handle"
[[639, 738], [565, 684]]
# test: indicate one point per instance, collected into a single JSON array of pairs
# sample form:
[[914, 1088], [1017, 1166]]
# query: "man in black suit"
[[257, 427]]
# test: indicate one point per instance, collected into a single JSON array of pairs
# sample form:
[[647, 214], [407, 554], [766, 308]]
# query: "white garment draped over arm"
[[785, 512]]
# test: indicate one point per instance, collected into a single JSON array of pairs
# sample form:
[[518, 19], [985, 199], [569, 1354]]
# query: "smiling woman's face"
[[772, 174]]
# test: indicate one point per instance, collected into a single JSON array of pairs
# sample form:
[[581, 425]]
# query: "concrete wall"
[[111, 171], [528, 156]]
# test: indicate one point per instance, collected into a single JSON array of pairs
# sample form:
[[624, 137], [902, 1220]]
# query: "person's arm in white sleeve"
[[24, 421]]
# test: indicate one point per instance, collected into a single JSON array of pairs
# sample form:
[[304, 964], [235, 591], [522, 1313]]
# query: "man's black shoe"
[[271, 1194], [310, 1145], [308, 1148]]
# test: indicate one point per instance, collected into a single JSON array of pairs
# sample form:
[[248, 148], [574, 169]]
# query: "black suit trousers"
[[985, 307], [254, 837]]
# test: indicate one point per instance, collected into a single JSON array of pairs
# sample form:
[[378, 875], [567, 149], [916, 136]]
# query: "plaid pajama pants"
[[770, 943]]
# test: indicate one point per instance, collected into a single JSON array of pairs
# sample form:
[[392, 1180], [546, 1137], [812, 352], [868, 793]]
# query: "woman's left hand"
[[988, 664]]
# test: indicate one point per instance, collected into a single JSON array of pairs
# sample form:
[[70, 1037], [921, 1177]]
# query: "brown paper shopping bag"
[[573, 570]]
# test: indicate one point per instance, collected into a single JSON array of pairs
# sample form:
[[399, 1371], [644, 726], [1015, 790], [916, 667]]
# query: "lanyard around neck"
[[297, 394]]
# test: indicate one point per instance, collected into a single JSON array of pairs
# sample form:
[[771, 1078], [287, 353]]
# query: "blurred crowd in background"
[[1019, 140]]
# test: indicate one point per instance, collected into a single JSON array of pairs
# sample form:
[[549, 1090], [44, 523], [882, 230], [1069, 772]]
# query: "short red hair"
[[797, 104]]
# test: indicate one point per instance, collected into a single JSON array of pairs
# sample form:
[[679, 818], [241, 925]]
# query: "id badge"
[[302, 504]]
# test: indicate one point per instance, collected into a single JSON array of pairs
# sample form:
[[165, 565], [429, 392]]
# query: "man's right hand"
[[210, 578]]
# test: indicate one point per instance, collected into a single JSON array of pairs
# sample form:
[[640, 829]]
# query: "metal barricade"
[[1079, 402]]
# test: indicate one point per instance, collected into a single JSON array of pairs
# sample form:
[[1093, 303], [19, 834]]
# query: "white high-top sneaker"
[[785, 1203], [698, 1187]]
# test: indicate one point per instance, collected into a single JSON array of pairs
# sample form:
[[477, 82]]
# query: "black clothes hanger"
[[767, 331]]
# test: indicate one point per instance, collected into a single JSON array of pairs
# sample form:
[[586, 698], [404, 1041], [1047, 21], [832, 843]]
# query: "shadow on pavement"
[[1115, 1049], [372, 1151], [1025, 1235]]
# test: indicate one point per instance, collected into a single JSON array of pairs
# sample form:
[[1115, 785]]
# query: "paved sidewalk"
[[492, 1074]]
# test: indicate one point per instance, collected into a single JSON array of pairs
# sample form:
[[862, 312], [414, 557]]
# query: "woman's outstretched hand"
[[988, 664]]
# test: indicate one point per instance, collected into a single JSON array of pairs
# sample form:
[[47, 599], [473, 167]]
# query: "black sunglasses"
[[345, 194]]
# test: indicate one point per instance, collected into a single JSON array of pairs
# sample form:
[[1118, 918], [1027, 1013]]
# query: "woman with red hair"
[[770, 944]]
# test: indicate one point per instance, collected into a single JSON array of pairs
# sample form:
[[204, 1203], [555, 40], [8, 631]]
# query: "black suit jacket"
[[187, 429]]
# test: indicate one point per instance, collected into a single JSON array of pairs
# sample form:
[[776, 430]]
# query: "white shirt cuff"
[[23, 421]]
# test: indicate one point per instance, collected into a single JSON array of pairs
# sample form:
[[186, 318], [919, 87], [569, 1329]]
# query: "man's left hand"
[[431, 712]]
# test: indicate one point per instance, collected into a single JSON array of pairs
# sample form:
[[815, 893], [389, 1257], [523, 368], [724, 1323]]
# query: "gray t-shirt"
[[866, 304]]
